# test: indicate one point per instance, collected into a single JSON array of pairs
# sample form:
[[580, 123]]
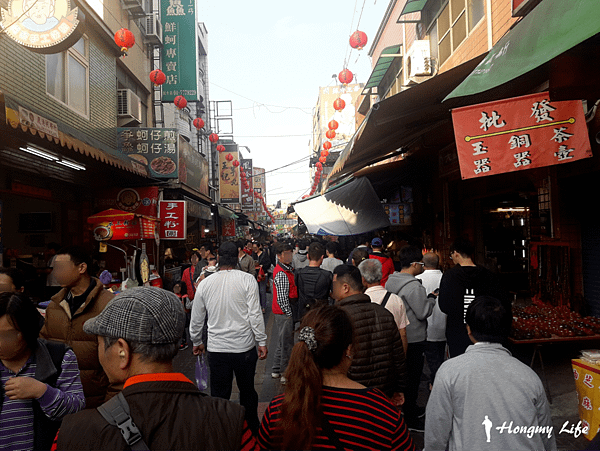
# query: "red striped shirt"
[[362, 419]]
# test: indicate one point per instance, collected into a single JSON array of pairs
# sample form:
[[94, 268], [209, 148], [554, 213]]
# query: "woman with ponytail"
[[321, 407]]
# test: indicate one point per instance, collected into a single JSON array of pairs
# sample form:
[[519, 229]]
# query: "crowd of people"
[[352, 330]]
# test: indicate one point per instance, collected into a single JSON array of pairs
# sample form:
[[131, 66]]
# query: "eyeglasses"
[[418, 263]]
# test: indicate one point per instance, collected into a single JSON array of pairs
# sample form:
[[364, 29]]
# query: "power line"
[[265, 104]]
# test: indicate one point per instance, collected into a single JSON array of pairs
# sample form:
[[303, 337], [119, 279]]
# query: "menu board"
[[154, 148]]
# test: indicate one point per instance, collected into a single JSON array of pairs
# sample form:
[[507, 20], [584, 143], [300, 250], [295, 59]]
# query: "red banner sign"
[[519, 133], [173, 219]]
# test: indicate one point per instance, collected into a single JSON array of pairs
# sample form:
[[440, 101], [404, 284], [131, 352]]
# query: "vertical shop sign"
[[259, 187], [180, 51], [229, 187], [519, 133], [173, 219], [154, 148], [247, 194]]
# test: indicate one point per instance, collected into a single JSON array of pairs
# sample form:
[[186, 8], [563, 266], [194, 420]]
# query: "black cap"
[[228, 249]]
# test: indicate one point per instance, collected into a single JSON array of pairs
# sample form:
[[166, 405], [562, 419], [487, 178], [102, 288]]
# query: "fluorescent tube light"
[[39, 153], [72, 165]]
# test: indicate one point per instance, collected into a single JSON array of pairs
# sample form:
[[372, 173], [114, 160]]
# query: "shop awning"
[[551, 28], [67, 136], [381, 67], [112, 214], [411, 6], [226, 212], [398, 120], [347, 209]]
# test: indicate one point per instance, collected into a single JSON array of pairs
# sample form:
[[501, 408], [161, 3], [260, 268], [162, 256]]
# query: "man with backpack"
[[313, 282]]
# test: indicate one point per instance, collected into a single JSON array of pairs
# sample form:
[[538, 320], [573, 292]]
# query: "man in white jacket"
[[485, 399]]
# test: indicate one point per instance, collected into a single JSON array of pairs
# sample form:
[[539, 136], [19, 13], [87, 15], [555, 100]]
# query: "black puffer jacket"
[[379, 360]]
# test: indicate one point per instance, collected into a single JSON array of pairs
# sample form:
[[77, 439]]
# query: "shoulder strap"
[[386, 298], [331, 434], [116, 412], [57, 352]]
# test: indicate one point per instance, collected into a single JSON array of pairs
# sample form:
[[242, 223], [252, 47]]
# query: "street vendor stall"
[[135, 233]]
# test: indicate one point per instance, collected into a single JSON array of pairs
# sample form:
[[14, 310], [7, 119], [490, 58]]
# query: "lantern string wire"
[[264, 104]]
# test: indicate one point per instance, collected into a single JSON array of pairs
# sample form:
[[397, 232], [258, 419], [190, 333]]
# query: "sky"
[[269, 57]]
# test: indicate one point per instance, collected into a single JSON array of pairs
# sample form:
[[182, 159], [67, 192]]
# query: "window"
[[67, 77], [453, 24]]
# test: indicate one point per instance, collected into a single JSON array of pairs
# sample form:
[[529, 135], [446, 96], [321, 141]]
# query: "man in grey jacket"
[[418, 308], [485, 398]]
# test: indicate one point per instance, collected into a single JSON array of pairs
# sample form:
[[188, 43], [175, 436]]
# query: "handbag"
[[261, 274], [201, 373]]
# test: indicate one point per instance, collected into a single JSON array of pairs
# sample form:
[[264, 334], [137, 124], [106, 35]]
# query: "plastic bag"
[[201, 373]]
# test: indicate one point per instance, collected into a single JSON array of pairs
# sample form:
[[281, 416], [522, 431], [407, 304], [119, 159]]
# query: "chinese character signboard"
[[519, 133], [154, 148], [173, 219], [143, 201], [229, 188], [180, 49], [247, 194], [587, 382], [193, 167], [259, 185]]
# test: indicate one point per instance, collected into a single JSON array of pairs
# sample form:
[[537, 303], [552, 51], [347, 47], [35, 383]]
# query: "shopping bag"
[[201, 373]]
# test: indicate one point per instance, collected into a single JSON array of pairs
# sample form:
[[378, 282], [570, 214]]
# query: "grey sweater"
[[418, 306], [487, 390]]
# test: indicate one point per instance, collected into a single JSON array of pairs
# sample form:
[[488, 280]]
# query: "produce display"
[[545, 321]]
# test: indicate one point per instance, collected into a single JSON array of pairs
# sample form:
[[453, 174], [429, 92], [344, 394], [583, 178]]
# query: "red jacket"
[[292, 293], [387, 265]]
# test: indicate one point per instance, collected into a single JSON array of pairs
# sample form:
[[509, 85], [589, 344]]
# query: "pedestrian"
[[459, 286], [40, 381], [285, 300], [321, 407], [81, 298], [190, 275], [435, 348], [12, 280], [379, 360], [331, 261], [478, 392], [300, 259], [313, 282], [358, 256], [229, 299], [371, 272], [264, 263], [138, 335], [387, 264], [245, 262], [418, 308]]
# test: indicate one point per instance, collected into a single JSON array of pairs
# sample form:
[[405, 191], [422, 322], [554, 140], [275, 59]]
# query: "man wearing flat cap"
[[138, 337], [229, 299]]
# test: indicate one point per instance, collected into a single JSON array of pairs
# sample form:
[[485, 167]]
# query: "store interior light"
[[511, 209], [39, 153], [72, 165]]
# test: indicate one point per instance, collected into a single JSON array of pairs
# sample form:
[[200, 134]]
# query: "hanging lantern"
[[198, 123], [322, 159], [333, 124], [345, 77], [220, 148], [319, 166], [339, 104], [358, 40], [326, 145], [229, 157], [124, 39], [180, 102], [324, 153], [330, 134], [213, 138], [158, 77], [236, 163]]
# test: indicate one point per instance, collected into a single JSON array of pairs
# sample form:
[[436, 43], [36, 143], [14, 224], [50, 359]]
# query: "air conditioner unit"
[[153, 29], [129, 105], [417, 62]]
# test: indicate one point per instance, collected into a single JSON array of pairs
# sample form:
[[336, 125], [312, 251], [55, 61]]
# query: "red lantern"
[[330, 134], [333, 124], [124, 39], [158, 77], [236, 163], [213, 138], [345, 77], [319, 166], [229, 157], [220, 148], [339, 104], [358, 40], [326, 145], [180, 102], [322, 159], [198, 123], [324, 153]]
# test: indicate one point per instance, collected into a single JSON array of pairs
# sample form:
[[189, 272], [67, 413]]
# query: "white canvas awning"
[[351, 208]]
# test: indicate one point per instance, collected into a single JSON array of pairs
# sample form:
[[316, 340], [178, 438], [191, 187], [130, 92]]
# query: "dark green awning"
[[381, 67], [413, 6], [551, 28]]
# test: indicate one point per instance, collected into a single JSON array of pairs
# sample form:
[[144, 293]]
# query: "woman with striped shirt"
[[321, 407], [39, 380]]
